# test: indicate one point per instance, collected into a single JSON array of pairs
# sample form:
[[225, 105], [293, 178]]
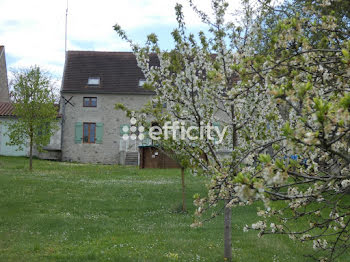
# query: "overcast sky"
[[33, 30]]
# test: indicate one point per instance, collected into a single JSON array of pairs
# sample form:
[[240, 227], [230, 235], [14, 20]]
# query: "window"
[[94, 81], [89, 133], [142, 82], [90, 101]]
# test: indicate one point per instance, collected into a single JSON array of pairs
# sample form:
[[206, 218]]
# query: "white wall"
[[7, 150]]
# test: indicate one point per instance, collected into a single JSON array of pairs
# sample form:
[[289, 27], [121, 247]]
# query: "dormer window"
[[142, 82], [94, 81]]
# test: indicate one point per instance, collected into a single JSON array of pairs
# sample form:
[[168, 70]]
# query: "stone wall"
[[108, 151]]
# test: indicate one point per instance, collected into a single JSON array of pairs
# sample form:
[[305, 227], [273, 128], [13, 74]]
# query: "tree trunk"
[[227, 233], [227, 210], [183, 189], [31, 154]]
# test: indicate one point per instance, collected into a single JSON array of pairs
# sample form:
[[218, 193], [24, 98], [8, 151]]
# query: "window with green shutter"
[[78, 132], [89, 133], [99, 133]]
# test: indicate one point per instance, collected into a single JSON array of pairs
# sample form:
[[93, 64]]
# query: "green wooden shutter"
[[99, 133], [78, 132]]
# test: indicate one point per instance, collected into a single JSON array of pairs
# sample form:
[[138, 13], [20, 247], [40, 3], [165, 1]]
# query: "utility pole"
[[65, 37]]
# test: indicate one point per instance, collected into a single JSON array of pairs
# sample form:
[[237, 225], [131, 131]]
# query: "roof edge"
[[108, 92], [98, 52]]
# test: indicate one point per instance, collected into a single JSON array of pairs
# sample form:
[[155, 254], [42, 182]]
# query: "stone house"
[[90, 129], [93, 83]]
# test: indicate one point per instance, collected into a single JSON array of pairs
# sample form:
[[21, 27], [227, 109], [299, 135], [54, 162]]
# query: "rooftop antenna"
[[65, 38]]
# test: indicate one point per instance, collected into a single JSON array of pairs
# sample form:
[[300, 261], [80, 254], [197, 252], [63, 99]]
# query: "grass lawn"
[[77, 212]]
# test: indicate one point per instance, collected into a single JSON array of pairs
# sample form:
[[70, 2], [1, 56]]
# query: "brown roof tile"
[[118, 72], [6, 109]]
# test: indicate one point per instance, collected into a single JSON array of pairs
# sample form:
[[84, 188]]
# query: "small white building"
[[52, 151]]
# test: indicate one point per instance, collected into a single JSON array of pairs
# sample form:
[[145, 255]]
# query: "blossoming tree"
[[307, 68], [211, 81], [282, 88]]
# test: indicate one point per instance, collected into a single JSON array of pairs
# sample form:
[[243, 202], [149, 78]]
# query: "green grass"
[[77, 212]]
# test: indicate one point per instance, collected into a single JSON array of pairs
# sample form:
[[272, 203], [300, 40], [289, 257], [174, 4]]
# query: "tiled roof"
[[118, 72], [6, 109]]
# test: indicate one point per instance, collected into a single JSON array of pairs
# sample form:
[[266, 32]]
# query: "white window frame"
[[142, 82], [94, 81]]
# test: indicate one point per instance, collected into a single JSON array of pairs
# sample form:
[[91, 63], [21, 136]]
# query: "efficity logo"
[[175, 130], [136, 132]]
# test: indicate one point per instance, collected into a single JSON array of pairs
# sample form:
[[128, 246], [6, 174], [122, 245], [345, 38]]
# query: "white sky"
[[33, 30]]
